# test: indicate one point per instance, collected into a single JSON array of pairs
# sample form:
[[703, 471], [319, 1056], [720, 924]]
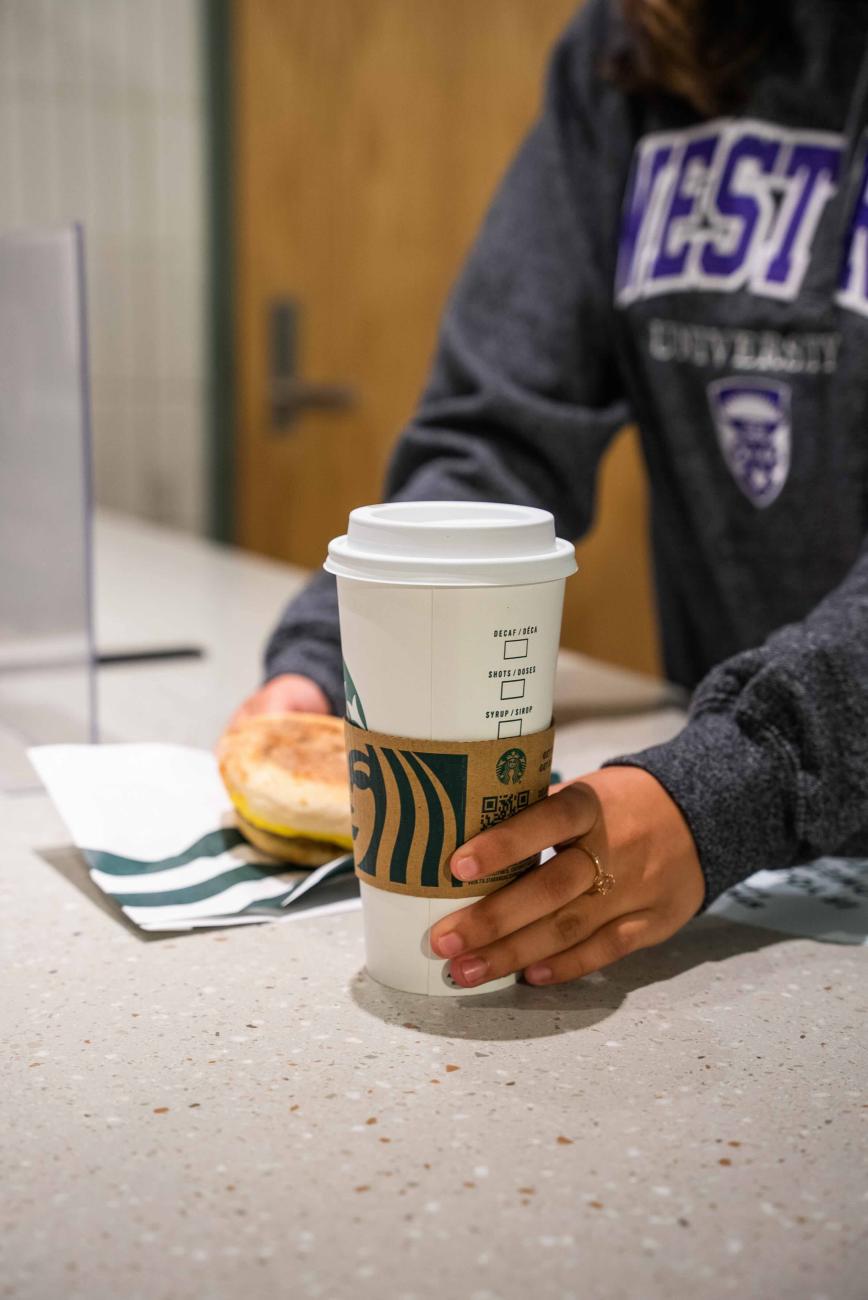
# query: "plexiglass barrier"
[[47, 683]]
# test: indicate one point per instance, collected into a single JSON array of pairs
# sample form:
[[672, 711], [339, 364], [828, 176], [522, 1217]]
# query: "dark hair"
[[698, 50]]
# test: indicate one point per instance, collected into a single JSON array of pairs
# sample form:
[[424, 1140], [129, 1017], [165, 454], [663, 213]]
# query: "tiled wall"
[[102, 119]]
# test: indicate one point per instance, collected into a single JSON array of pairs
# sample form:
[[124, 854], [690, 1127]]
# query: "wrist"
[[302, 692], [640, 823], [309, 659]]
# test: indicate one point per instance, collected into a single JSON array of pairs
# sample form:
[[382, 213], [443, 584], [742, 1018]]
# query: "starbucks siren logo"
[[510, 766]]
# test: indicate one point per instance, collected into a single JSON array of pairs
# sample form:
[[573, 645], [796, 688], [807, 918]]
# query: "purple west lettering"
[[814, 172], [743, 208], [734, 204], [686, 194], [647, 166]]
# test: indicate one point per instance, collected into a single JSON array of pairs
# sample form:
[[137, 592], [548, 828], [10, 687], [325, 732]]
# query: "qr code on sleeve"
[[497, 807]]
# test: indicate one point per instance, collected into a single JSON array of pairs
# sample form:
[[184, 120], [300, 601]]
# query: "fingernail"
[[472, 970], [538, 974], [449, 945], [466, 868]]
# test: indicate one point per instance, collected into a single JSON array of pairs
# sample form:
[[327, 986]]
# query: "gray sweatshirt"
[[709, 280]]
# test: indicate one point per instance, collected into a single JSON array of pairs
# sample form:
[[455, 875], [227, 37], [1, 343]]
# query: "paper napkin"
[[826, 899], [155, 826]]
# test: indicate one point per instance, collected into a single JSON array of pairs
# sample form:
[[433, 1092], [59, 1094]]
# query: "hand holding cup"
[[551, 924]]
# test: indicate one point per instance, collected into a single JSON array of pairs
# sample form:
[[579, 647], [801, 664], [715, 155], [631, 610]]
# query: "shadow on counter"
[[68, 862], [525, 1012]]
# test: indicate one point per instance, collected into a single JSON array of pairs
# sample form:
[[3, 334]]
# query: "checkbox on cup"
[[516, 649]]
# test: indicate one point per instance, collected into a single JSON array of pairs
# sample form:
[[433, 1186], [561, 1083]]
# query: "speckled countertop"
[[245, 1114]]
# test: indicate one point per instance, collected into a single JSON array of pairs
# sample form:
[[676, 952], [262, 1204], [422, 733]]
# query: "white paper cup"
[[450, 617]]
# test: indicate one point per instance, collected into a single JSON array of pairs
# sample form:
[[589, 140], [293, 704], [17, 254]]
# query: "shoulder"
[[582, 94], [593, 35], [580, 79]]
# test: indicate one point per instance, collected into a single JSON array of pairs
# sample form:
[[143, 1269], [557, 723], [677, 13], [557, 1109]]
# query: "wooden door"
[[368, 138]]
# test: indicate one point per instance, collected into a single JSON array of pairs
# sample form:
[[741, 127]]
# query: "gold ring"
[[603, 882]]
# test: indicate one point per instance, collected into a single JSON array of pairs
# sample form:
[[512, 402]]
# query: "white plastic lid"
[[451, 544]]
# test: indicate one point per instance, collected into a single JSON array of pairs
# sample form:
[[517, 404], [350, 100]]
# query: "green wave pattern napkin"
[[154, 825]]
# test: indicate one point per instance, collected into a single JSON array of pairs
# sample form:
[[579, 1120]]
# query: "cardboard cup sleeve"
[[414, 801]]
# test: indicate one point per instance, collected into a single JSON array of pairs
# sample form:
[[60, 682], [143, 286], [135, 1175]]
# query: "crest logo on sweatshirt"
[[752, 419]]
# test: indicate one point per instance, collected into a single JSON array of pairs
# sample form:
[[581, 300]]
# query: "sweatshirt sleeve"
[[771, 768], [524, 393]]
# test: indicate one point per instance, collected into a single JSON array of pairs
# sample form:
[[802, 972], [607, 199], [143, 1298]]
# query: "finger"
[[244, 711], [249, 708], [535, 944], [538, 892], [271, 698], [612, 941], [559, 817]]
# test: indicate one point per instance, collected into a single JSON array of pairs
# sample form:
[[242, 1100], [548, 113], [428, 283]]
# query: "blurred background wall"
[[103, 120], [277, 196]]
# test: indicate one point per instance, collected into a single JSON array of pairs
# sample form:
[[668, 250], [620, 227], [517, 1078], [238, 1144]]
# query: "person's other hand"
[[546, 923], [288, 693]]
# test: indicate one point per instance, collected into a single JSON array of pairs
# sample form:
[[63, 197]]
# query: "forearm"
[[772, 767]]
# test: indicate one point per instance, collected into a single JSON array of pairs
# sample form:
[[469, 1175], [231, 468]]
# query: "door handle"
[[289, 396]]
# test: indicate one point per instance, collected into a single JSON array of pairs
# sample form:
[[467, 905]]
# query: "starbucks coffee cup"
[[450, 616]]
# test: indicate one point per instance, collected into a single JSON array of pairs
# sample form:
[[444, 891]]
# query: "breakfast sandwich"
[[286, 774]]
